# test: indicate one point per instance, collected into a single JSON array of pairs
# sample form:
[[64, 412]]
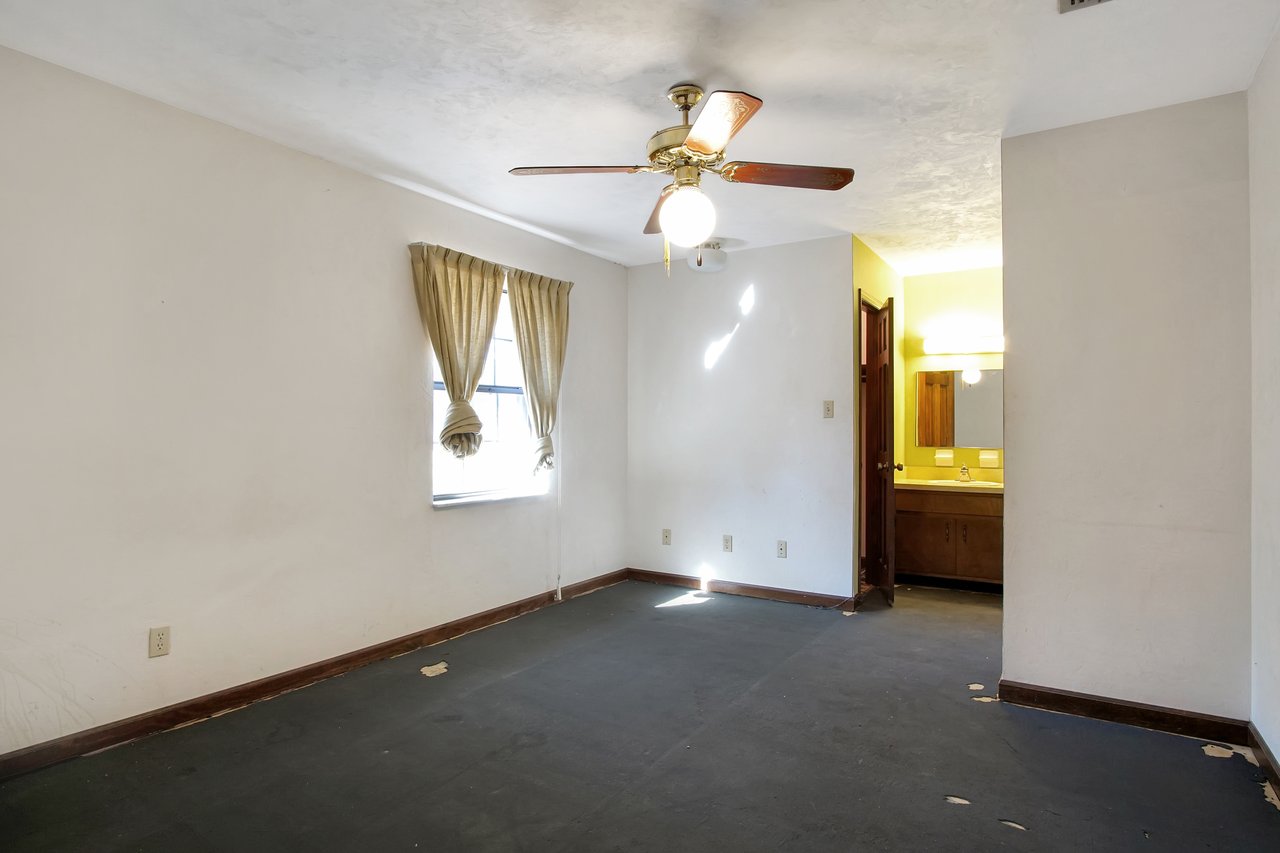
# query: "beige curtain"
[[458, 301], [540, 314]]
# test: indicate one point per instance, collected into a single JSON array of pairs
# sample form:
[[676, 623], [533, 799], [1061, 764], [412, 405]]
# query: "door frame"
[[862, 300]]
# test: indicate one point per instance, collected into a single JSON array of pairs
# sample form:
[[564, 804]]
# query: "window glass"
[[503, 467], [506, 364]]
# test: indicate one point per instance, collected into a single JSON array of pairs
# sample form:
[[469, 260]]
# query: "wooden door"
[[980, 548], [878, 445]]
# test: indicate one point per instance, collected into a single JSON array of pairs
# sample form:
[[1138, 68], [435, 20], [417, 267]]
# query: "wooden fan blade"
[[577, 170], [722, 116], [652, 227], [785, 175]]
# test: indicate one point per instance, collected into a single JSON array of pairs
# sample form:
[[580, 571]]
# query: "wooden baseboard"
[[1266, 758], [1155, 717], [664, 578], [790, 596], [574, 590], [72, 745]]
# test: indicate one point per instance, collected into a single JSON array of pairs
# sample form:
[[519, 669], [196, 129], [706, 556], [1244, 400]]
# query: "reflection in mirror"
[[953, 410]]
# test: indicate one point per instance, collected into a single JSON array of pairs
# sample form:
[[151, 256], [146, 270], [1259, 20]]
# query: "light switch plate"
[[828, 408]]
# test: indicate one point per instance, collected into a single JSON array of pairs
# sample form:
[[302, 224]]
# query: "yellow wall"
[[969, 303], [878, 281]]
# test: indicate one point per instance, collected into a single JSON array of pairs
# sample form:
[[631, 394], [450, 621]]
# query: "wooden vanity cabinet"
[[950, 535]]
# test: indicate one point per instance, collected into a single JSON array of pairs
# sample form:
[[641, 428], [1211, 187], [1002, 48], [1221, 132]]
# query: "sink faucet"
[[964, 474]]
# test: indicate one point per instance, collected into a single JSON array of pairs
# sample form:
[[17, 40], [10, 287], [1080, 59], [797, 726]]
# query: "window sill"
[[485, 498]]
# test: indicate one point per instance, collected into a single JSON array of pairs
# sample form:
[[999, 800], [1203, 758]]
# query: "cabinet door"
[[980, 548], [926, 544]]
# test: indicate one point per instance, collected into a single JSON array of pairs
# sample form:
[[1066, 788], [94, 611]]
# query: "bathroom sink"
[[956, 485]]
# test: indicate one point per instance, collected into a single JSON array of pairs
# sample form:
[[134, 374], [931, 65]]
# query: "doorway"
[[875, 466]]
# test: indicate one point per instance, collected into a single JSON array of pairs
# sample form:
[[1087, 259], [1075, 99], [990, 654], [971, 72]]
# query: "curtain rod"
[[506, 268]]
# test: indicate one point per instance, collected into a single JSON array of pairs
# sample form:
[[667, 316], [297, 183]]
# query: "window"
[[503, 468]]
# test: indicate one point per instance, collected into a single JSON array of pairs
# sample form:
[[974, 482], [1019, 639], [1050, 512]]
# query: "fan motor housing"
[[666, 150], [666, 143]]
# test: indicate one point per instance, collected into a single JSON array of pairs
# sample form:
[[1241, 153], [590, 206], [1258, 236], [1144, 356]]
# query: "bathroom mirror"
[[953, 412]]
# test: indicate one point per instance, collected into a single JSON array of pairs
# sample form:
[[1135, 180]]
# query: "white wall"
[[1264, 195], [215, 411], [742, 448], [1127, 389]]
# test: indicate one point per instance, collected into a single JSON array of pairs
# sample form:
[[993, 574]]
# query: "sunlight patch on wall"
[[717, 347], [706, 574]]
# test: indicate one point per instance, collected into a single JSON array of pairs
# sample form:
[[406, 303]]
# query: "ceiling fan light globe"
[[687, 217]]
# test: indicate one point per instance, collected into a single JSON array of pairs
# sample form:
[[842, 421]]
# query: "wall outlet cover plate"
[[158, 642]]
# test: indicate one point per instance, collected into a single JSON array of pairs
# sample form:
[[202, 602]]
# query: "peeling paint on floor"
[[1213, 750], [1269, 792], [435, 669], [958, 801], [977, 686], [984, 698], [1013, 824]]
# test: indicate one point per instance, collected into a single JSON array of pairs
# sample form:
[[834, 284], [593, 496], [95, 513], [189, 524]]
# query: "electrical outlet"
[[666, 536], [728, 542], [158, 642], [782, 549], [828, 408]]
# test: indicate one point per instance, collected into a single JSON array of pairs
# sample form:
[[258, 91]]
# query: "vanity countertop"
[[949, 486]]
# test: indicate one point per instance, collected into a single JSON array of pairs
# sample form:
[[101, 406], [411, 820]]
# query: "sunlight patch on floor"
[[688, 598]]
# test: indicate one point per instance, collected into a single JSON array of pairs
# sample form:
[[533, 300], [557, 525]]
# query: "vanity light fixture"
[[962, 344]]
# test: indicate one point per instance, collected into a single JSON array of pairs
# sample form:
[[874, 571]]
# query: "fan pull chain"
[[666, 254]]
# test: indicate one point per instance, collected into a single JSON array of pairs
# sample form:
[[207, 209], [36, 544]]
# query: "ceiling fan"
[[683, 212]]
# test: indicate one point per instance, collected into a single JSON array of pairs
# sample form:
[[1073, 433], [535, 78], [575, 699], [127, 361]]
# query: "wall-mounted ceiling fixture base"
[[708, 257], [685, 96], [1073, 5]]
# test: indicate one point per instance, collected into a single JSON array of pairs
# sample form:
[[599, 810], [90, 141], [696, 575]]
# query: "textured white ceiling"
[[447, 95]]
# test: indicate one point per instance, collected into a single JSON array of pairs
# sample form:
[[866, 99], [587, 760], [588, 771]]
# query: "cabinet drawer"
[[949, 503]]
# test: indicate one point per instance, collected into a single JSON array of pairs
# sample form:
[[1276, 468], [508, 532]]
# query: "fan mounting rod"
[[667, 151]]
